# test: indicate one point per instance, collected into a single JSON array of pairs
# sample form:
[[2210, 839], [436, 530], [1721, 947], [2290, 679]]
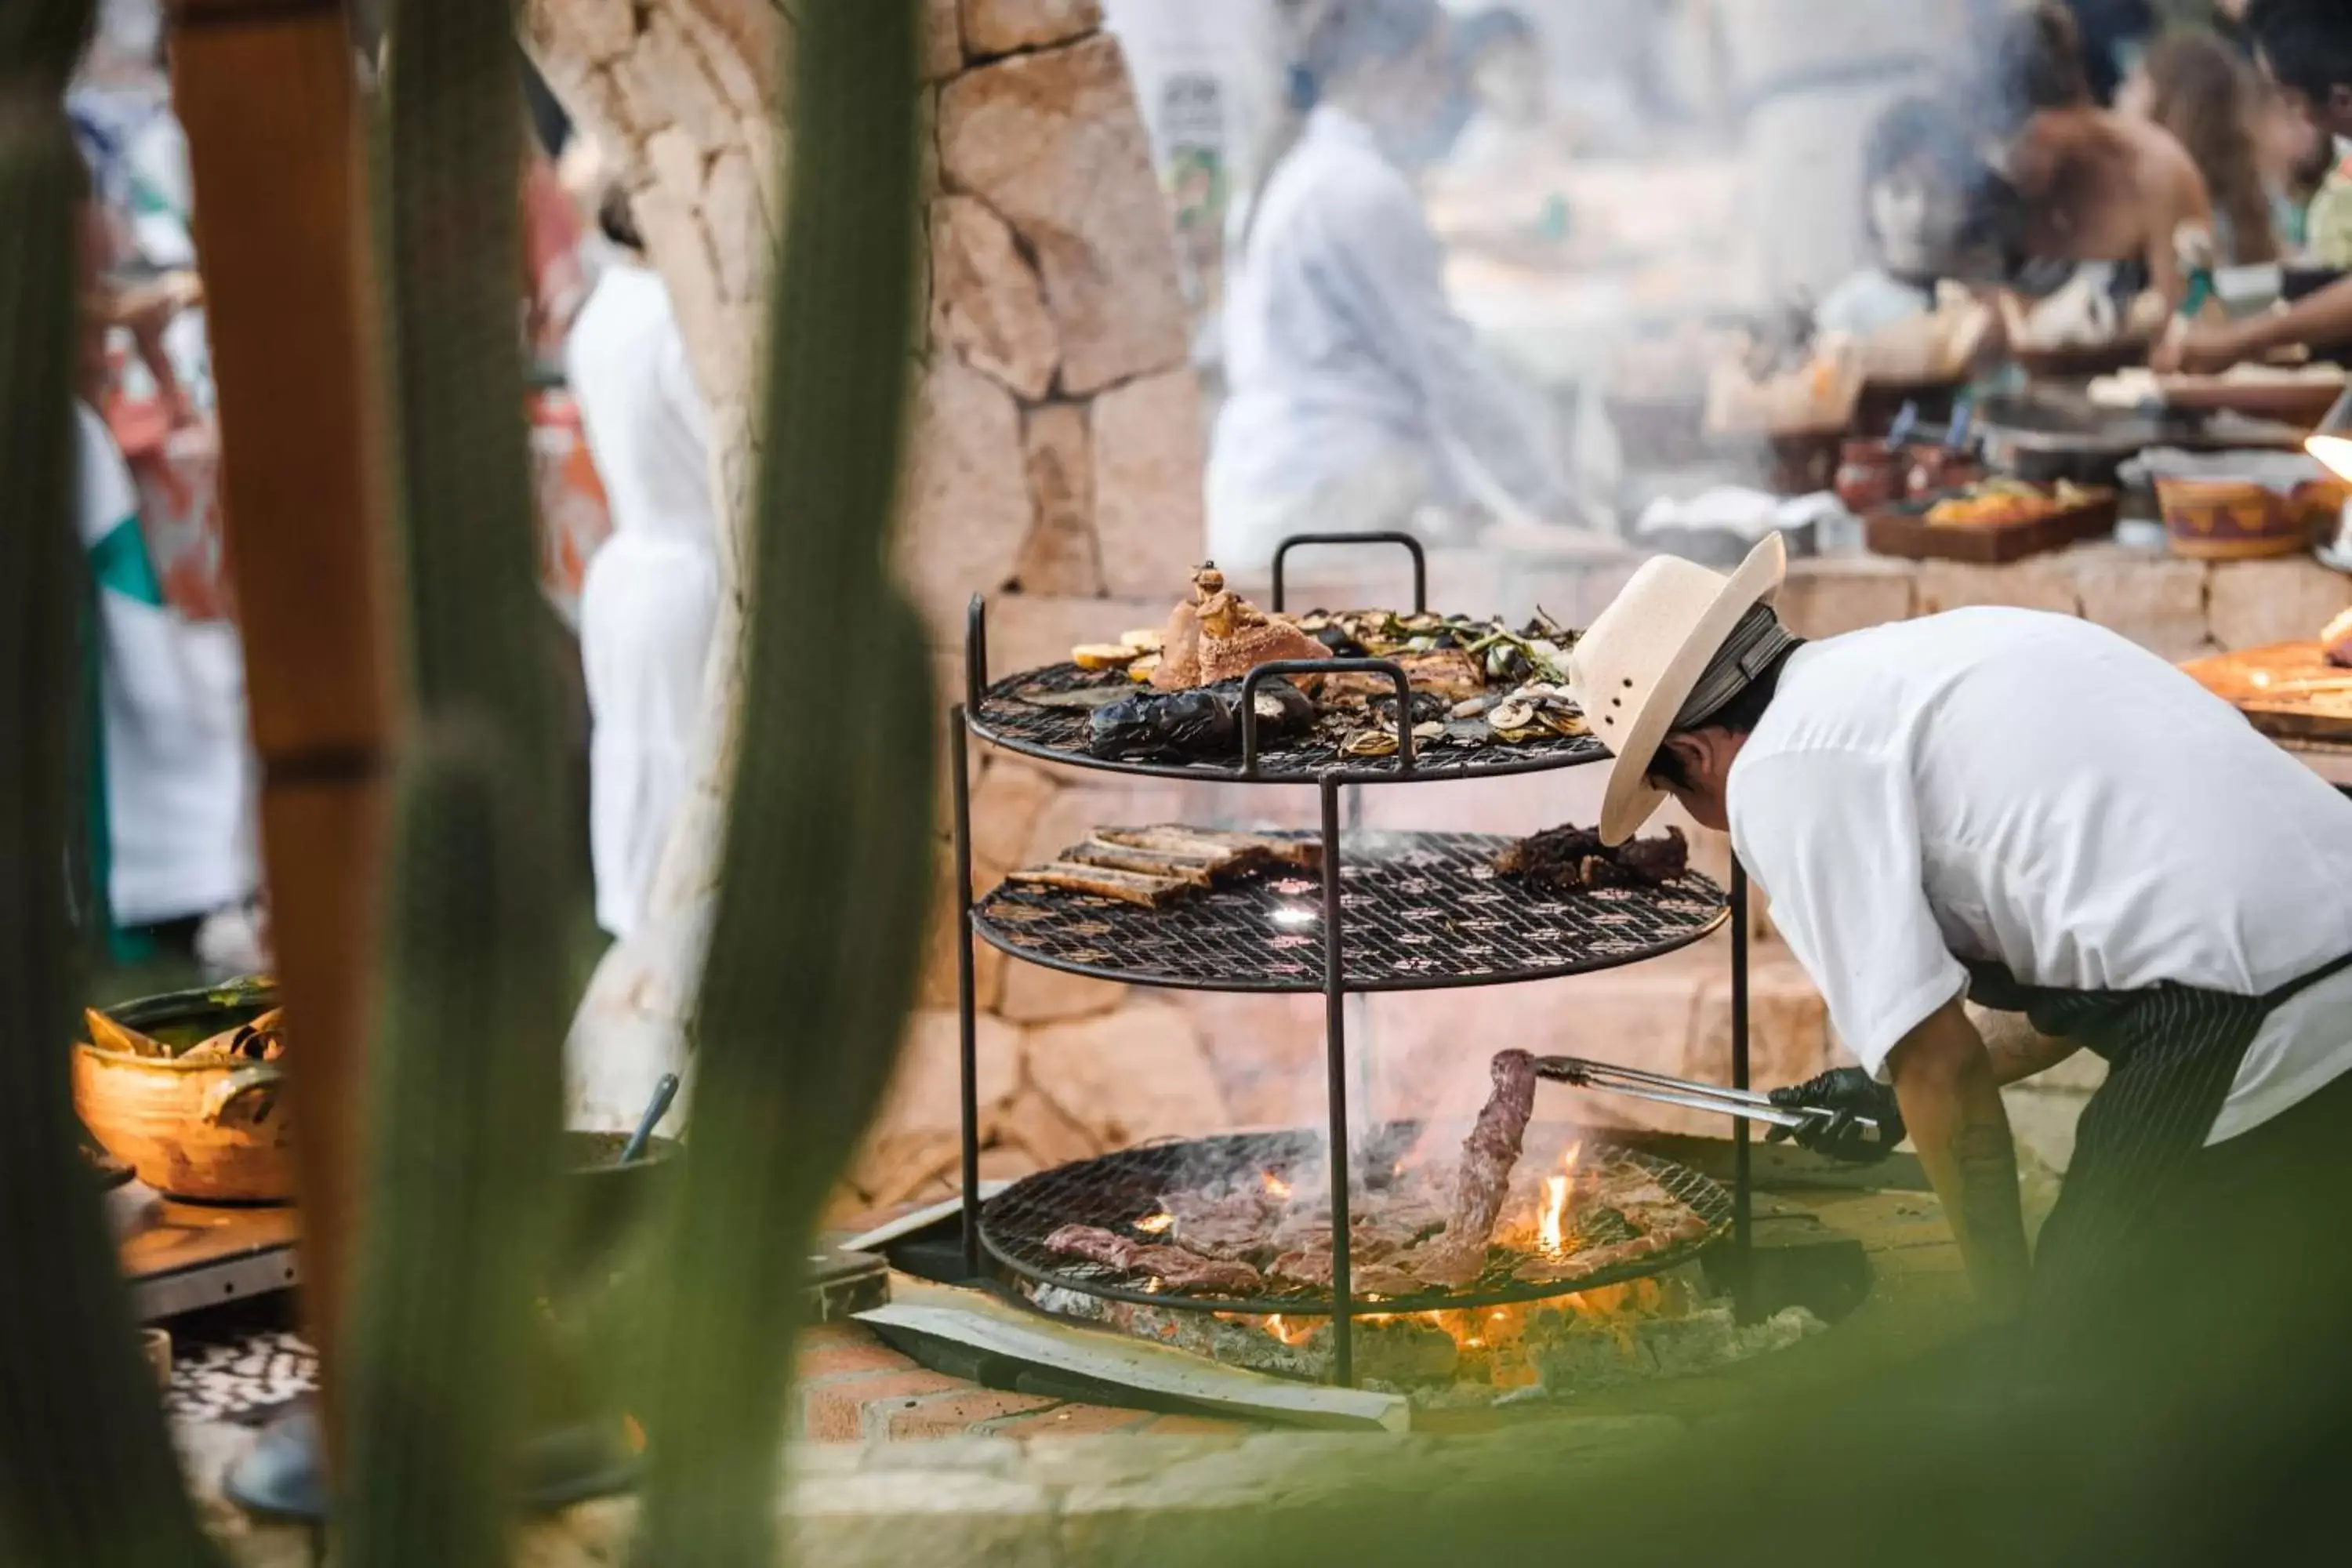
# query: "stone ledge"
[[997, 1501]]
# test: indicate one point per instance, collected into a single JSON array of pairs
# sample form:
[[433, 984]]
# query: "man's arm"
[[1945, 1081], [2018, 1050], [2321, 317]]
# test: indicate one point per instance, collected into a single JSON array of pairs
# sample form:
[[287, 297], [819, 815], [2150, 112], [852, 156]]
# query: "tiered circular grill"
[[1411, 911], [1113, 1191]]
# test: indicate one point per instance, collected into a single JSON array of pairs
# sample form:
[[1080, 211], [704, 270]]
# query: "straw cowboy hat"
[[1636, 667]]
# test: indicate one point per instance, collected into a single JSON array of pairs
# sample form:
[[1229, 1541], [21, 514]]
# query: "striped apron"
[[2172, 1053]]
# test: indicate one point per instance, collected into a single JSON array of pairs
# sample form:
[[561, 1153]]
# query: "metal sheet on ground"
[[979, 1321]]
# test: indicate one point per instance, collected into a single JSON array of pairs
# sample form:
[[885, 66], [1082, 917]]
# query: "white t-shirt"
[[2012, 785]]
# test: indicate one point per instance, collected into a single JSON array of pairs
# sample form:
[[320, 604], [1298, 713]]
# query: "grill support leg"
[[1334, 1047], [1743, 1296], [966, 1001]]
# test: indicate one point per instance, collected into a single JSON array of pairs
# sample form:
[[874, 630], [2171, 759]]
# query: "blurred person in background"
[[650, 601], [2304, 47], [1923, 188], [2296, 161], [556, 275], [2113, 35], [1807, 78], [1501, 61], [1208, 78], [1606, 65], [2211, 100], [1359, 400], [170, 859], [2085, 185]]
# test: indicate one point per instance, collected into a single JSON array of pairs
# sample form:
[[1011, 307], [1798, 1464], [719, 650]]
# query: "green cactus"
[[465, 1083], [818, 927], [87, 1475]]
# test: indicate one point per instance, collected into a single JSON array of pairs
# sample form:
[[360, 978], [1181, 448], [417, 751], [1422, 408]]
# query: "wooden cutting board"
[[2288, 689]]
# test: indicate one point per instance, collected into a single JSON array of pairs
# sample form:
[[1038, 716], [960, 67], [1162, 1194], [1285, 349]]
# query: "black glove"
[[1849, 1093]]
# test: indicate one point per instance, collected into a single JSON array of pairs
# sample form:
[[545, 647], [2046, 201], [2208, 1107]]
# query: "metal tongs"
[[1739, 1102]]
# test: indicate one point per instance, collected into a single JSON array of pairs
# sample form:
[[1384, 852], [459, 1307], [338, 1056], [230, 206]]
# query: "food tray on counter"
[[1903, 531], [2302, 402], [1419, 911], [2287, 691], [2082, 362]]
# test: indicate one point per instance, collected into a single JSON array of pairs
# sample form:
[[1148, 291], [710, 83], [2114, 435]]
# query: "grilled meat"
[[1102, 882], [1491, 1150], [1173, 1266], [1573, 860]]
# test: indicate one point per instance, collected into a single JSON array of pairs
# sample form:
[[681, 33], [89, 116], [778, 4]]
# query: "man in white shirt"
[[1359, 398], [2029, 810]]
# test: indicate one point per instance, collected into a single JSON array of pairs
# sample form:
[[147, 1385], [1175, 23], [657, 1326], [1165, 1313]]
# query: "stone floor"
[[853, 1388], [896, 1465]]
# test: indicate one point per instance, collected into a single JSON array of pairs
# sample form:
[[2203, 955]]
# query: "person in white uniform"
[[169, 773], [2029, 810], [651, 594], [1358, 396]]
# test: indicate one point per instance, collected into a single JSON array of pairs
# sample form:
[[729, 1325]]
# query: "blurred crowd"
[[166, 869], [1337, 167]]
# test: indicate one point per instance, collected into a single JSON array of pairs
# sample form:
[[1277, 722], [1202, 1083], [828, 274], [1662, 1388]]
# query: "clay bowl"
[[602, 1200], [205, 1130], [2231, 520]]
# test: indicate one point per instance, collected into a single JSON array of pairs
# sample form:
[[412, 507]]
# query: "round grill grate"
[[1419, 911], [1113, 1191], [1060, 736]]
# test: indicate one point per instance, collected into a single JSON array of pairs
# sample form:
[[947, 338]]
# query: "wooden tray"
[[2281, 690], [2082, 362], [1904, 530], [2302, 404]]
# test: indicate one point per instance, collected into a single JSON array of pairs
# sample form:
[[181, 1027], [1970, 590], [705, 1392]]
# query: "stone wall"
[[1054, 463]]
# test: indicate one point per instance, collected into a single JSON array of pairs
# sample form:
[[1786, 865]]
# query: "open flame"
[[1290, 1330], [1550, 1220], [1152, 1225], [1275, 1184]]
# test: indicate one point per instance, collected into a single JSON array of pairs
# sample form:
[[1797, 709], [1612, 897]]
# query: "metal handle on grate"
[[1389, 667], [1411, 544], [975, 654]]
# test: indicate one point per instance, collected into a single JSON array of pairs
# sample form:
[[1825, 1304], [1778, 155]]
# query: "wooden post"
[[267, 93]]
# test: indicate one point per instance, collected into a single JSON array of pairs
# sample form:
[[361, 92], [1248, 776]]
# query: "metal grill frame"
[[1395, 889], [1111, 1190], [968, 719]]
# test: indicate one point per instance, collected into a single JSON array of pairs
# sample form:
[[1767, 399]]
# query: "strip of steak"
[[1172, 1266], [1365, 1278], [1455, 1258], [1490, 1151], [1445, 1267], [1222, 1236]]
